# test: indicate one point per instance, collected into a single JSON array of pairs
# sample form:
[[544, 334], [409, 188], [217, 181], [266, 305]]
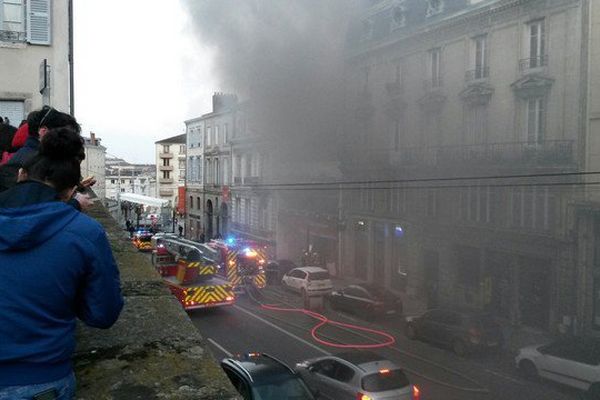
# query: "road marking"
[[509, 378], [218, 346], [272, 325], [479, 389]]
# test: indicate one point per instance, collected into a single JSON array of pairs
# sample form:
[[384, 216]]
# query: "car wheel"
[[528, 369], [459, 348], [411, 332]]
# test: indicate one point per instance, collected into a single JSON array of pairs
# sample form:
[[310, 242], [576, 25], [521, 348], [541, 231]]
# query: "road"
[[246, 327]]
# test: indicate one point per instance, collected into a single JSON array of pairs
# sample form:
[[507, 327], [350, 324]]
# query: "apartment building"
[[170, 167], [454, 89], [36, 64], [95, 164], [124, 177]]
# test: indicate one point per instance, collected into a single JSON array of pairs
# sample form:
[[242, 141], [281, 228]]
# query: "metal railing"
[[433, 83], [535, 62], [477, 73], [12, 36], [543, 153]]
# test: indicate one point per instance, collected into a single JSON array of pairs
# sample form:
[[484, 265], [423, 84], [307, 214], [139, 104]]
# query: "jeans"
[[64, 389]]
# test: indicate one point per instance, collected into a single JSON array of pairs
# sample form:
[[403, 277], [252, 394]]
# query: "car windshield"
[[292, 389], [318, 276], [384, 381]]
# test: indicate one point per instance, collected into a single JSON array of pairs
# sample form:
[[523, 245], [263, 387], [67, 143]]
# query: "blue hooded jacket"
[[56, 265]]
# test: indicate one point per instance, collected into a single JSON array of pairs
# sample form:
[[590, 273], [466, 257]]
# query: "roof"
[[263, 367], [359, 357], [173, 139], [312, 269]]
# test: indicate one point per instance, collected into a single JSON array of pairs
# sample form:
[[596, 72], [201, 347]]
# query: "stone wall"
[[153, 351]]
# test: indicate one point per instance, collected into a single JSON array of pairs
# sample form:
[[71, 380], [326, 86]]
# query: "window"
[[191, 201], [225, 171], [334, 370], [208, 136], [166, 174], [217, 135], [435, 67], [112, 181], [398, 17], [247, 211], [165, 162], [166, 148], [434, 7], [475, 204], [534, 208], [537, 45], [393, 380], [217, 177], [198, 202], [480, 57], [182, 149], [225, 134], [536, 118]]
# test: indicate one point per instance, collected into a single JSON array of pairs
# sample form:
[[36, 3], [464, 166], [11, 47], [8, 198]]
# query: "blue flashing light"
[[230, 240], [398, 231]]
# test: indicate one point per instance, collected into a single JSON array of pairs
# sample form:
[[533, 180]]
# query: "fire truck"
[[189, 270], [241, 261], [142, 240]]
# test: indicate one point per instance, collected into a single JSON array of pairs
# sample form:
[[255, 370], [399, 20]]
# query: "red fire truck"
[[142, 240], [241, 261], [190, 273]]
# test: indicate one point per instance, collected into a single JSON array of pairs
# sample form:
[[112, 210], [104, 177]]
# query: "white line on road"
[[282, 330], [501, 375], [218, 346]]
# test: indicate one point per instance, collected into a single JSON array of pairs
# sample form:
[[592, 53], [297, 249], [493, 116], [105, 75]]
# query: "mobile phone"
[[50, 394]]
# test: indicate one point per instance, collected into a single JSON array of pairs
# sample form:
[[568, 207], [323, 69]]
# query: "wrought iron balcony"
[[477, 74], [433, 83], [545, 153], [532, 63], [393, 89], [12, 36]]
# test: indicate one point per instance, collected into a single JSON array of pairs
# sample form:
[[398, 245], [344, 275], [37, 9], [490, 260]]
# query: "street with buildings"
[[451, 158]]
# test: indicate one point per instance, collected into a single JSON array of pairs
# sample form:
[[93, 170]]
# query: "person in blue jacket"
[[56, 265]]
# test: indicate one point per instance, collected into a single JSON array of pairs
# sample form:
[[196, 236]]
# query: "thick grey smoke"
[[286, 56]]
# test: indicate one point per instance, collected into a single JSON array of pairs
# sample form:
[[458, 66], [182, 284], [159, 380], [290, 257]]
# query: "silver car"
[[356, 375]]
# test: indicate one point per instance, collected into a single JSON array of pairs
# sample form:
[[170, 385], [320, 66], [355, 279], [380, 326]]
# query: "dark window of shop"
[[596, 276], [468, 272]]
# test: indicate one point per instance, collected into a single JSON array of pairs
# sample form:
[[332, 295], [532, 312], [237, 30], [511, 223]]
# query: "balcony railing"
[[251, 180], [165, 180], [12, 36], [393, 89], [477, 74], [165, 168], [433, 83], [165, 155], [532, 63], [545, 153], [166, 192]]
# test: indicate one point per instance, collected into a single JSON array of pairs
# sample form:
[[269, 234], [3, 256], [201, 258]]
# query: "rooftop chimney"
[[222, 101]]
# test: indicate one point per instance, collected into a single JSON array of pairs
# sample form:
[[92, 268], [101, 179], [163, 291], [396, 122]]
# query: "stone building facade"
[[458, 89]]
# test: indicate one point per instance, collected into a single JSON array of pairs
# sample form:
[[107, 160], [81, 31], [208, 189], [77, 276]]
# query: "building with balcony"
[[95, 164], [453, 89], [124, 177], [210, 169], [170, 157], [36, 67]]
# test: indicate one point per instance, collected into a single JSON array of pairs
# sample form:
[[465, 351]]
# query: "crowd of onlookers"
[[56, 263]]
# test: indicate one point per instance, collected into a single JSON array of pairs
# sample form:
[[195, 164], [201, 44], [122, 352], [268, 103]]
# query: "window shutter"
[[38, 22]]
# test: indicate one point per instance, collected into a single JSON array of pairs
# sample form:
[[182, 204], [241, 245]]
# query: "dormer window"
[[434, 7], [398, 17]]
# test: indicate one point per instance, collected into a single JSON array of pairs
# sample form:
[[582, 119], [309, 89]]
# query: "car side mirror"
[[310, 368]]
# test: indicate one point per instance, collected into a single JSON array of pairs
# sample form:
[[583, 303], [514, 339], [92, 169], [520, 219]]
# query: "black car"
[[277, 269], [259, 376], [365, 300], [463, 331]]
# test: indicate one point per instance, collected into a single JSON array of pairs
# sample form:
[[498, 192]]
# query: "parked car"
[[357, 375], [259, 376], [573, 361], [365, 300], [308, 280], [464, 331], [277, 269]]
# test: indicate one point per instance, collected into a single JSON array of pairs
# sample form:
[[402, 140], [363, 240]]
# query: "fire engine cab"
[[142, 240], [242, 262], [190, 273]]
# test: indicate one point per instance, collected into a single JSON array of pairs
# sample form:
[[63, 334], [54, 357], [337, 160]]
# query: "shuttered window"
[[38, 22], [12, 18], [13, 110]]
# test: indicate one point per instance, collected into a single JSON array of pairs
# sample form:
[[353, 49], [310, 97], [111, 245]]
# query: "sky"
[[140, 72]]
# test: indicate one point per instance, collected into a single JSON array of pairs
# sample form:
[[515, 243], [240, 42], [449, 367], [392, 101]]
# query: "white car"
[[308, 281], [572, 361]]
